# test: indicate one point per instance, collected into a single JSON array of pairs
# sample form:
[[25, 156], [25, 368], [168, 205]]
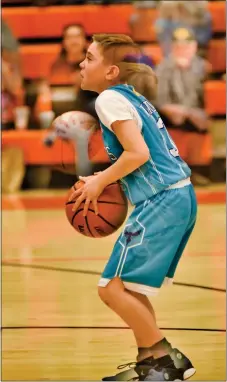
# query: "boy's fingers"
[[86, 206], [75, 194], [78, 202]]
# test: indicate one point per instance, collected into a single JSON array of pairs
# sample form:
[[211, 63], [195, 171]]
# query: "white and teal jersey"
[[164, 167]]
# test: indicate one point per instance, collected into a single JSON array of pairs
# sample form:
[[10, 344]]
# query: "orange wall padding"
[[35, 152], [49, 21], [215, 97]]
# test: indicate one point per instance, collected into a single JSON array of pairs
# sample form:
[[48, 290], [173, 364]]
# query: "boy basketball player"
[[157, 182]]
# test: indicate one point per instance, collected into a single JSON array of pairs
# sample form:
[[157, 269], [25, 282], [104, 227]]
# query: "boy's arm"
[[135, 153]]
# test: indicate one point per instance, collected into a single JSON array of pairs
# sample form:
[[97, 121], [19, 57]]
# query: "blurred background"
[[49, 271], [43, 43]]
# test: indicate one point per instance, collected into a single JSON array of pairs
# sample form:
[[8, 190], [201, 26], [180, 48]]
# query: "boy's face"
[[96, 73]]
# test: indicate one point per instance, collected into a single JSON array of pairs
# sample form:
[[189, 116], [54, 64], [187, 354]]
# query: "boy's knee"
[[102, 292], [112, 289]]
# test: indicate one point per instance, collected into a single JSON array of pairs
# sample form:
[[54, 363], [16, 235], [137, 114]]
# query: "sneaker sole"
[[130, 374], [189, 373], [124, 376]]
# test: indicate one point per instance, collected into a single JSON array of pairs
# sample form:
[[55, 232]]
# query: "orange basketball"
[[112, 207]]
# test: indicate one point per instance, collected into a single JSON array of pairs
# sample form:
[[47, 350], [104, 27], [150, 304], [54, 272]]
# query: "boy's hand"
[[90, 192]]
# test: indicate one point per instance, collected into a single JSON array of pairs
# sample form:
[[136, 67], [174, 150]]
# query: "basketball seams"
[[89, 230], [106, 221], [72, 220]]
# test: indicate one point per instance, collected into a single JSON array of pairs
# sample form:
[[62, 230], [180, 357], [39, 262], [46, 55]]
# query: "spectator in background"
[[66, 68], [12, 91], [13, 167], [180, 102], [201, 22], [10, 50], [8, 92], [189, 14]]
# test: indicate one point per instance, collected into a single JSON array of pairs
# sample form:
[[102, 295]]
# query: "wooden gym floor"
[[54, 327]]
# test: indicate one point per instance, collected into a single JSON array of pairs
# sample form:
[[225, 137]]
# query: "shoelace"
[[131, 365]]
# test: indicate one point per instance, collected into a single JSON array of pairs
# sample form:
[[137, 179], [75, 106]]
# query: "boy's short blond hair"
[[115, 48]]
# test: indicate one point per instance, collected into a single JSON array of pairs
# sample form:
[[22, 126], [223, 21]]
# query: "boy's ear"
[[113, 72]]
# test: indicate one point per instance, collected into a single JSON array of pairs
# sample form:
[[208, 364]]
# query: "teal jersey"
[[164, 167]]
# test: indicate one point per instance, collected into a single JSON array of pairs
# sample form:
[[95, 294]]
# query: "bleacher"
[[39, 31]]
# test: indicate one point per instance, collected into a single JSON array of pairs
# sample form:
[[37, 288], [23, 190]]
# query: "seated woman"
[[65, 70]]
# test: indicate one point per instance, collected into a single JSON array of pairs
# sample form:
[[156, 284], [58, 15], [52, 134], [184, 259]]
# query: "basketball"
[[112, 207]]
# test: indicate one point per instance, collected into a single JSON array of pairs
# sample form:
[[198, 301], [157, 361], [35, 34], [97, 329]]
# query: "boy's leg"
[[125, 303], [155, 363], [145, 259], [163, 344], [135, 314], [145, 301], [142, 352]]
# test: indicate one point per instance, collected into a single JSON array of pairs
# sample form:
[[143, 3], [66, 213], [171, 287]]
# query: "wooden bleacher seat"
[[37, 59], [34, 22], [215, 97], [217, 55], [218, 13]]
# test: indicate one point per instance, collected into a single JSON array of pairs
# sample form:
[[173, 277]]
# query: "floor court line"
[[108, 327], [46, 268]]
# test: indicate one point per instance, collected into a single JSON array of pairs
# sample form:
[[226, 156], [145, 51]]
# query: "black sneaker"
[[182, 362], [148, 370], [161, 369], [179, 359]]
